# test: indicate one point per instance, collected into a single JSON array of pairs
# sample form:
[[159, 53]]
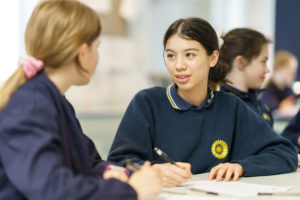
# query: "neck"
[[237, 81], [61, 77], [195, 96]]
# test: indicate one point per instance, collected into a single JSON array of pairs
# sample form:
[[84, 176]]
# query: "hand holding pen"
[[174, 173], [164, 156], [146, 180]]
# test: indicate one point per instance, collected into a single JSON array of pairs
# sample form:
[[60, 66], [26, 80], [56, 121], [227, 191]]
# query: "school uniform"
[[292, 131], [222, 129], [250, 98], [272, 96], [45, 155]]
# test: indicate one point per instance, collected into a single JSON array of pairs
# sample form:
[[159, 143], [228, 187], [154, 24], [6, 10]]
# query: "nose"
[[180, 63], [267, 70]]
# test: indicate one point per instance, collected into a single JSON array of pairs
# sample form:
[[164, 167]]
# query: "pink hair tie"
[[31, 65]]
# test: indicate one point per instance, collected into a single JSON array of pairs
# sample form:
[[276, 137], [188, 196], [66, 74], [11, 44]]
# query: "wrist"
[[114, 167]]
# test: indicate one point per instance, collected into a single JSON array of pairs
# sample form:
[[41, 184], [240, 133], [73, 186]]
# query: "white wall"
[[256, 14], [14, 15], [126, 63], [9, 38]]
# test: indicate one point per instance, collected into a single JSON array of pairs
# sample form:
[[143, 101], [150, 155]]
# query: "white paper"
[[182, 193], [237, 189], [189, 197]]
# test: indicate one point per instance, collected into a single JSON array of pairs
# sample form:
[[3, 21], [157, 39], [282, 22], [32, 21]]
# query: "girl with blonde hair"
[[279, 94], [43, 152]]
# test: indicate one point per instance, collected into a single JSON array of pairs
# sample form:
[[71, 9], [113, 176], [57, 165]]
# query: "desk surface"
[[290, 179]]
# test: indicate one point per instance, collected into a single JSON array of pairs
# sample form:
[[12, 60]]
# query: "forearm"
[[268, 162]]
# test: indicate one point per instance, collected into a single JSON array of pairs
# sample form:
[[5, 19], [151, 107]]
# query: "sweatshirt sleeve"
[[292, 131], [30, 151], [271, 153], [134, 135]]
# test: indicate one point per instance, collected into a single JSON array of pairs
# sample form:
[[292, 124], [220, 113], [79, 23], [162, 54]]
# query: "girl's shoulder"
[[153, 97], [227, 101], [226, 97], [36, 93], [151, 93]]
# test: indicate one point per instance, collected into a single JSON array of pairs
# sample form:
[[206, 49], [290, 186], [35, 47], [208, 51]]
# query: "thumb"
[[147, 164]]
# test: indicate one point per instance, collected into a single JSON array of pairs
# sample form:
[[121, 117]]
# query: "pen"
[[132, 166], [204, 191], [164, 156], [278, 193], [174, 192]]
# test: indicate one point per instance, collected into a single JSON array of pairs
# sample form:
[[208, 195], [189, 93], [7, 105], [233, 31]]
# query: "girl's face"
[[188, 63], [94, 56], [288, 73], [89, 61], [255, 71]]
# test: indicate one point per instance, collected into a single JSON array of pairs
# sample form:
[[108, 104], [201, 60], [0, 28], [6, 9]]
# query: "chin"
[[184, 86], [83, 82]]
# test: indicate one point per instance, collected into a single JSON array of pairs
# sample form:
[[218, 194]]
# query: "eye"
[[170, 55], [264, 61], [189, 55]]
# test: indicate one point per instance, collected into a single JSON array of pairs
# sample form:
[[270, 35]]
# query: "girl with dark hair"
[[245, 54], [204, 130]]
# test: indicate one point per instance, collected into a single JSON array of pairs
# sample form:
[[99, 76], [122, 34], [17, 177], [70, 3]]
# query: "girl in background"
[[43, 152], [279, 94], [200, 129], [245, 54]]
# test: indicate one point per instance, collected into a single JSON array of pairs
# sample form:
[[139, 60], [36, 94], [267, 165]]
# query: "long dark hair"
[[199, 30]]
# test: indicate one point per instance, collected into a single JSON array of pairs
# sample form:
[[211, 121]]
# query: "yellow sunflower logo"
[[219, 149]]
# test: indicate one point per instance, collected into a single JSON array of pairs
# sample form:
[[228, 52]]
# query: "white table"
[[290, 179]]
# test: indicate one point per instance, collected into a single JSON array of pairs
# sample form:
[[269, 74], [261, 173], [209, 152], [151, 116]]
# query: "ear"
[[213, 58], [240, 62], [82, 55]]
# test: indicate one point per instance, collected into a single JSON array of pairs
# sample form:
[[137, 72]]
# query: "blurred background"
[[131, 50]]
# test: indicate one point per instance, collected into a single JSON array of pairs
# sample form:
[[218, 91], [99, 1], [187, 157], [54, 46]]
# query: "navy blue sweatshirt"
[[43, 153], [292, 131], [222, 129], [250, 98]]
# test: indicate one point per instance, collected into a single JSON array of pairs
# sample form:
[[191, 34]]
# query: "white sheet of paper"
[[182, 193], [189, 197], [237, 189]]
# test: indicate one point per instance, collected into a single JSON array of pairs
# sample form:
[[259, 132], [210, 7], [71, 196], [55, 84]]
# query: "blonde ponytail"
[[17, 79]]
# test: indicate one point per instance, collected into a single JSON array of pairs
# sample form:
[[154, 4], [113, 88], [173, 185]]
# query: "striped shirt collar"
[[178, 103]]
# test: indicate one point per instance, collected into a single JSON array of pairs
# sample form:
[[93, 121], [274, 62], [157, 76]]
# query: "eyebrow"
[[189, 49]]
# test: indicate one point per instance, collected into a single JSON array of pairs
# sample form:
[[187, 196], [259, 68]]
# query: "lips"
[[182, 78]]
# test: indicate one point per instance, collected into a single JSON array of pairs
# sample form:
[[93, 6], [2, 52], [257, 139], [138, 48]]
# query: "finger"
[[147, 164], [123, 177], [237, 174], [186, 166], [108, 175], [221, 173], [228, 174], [213, 172], [169, 182], [117, 174], [180, 171], [174, 177]]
